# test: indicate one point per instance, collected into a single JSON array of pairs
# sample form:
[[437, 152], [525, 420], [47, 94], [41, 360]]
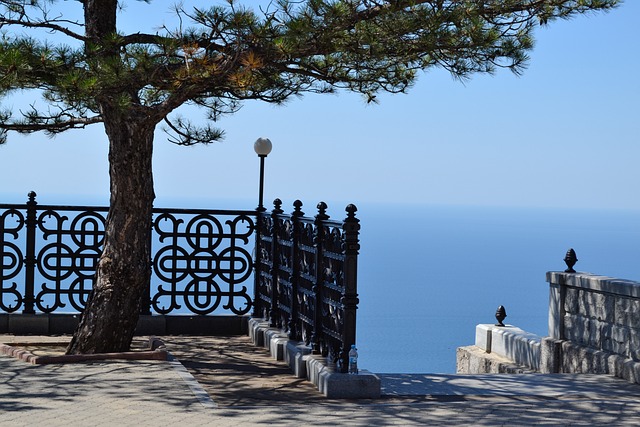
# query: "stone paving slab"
[[164, 393], [536, 385], [106, 393]]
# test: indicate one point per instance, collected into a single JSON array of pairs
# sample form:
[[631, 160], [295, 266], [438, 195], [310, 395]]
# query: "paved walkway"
[[154, 393]]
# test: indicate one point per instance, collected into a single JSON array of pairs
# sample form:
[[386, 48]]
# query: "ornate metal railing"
[[201, 258], [306, 277]]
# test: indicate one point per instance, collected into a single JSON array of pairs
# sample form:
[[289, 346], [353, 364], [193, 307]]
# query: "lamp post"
[[262, 147]]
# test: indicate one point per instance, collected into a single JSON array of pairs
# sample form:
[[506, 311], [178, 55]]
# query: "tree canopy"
[[218, 57]]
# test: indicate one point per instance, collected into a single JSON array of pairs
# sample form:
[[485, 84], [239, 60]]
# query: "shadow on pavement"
[[235, 372]]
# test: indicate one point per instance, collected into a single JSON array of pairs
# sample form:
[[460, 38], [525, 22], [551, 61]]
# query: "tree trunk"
[[123, 273]]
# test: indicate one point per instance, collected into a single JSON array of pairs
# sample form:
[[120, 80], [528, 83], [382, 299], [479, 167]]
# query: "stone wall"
[[598, 312], [594, 327]]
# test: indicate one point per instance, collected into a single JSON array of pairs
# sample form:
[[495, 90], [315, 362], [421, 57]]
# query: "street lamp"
[[262, 147]]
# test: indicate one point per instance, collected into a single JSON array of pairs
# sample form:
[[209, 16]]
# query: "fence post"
[[295, 270], [351, 246], [30, 255], [274, 313], [256, 264], [318, 240]]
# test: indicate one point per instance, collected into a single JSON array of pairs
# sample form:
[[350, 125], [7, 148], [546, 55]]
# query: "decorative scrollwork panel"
[[67, 264], [12, 225], [202, 263]]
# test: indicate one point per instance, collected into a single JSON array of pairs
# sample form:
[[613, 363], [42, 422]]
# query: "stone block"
[[335, 385], [277, 347], [595, 333], [571, 358], [631, 371], [571, 300], [273, 334], [598, 362], [597, 305], [556, 311], [550, 354], [463, 357], [483, 336], [634, 344], [364, 385], [616, 339], [315, 363], [257, 327], [580, 359], [576, 329], [295, 356], [479, 362], [615, 365], [627, 312]]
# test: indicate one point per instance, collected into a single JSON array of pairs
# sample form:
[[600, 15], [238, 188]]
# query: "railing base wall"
[[500, 350], [474, 360], [64, 324], [315, 368], [594, 328]]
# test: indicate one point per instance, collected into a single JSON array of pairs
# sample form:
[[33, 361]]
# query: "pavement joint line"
[[195, 387]]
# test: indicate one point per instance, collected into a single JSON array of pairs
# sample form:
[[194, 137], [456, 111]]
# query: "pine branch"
[[185, 133], [17, 15], [34, 121]]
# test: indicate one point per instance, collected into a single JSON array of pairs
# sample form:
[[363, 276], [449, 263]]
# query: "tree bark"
[[123, 273]]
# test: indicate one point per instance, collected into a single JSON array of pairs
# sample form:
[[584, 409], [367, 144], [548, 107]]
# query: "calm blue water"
[[428, 275]]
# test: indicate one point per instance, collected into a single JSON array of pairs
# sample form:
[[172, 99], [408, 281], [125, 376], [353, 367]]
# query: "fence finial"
[[297, 208], [277, 206], [32, 196], [322, 211], [570, 259], [351, 210], [501, 314]]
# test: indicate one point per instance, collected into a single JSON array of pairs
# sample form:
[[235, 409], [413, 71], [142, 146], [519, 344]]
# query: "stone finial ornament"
[[570, 259], [501, 314]]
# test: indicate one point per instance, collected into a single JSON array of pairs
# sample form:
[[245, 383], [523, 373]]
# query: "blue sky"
[[565, 134]]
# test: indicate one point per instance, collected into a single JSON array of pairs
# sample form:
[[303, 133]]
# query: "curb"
[[157, 352]]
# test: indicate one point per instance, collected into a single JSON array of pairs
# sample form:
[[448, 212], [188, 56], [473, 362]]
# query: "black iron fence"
[[306, 277], [201, 258]]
